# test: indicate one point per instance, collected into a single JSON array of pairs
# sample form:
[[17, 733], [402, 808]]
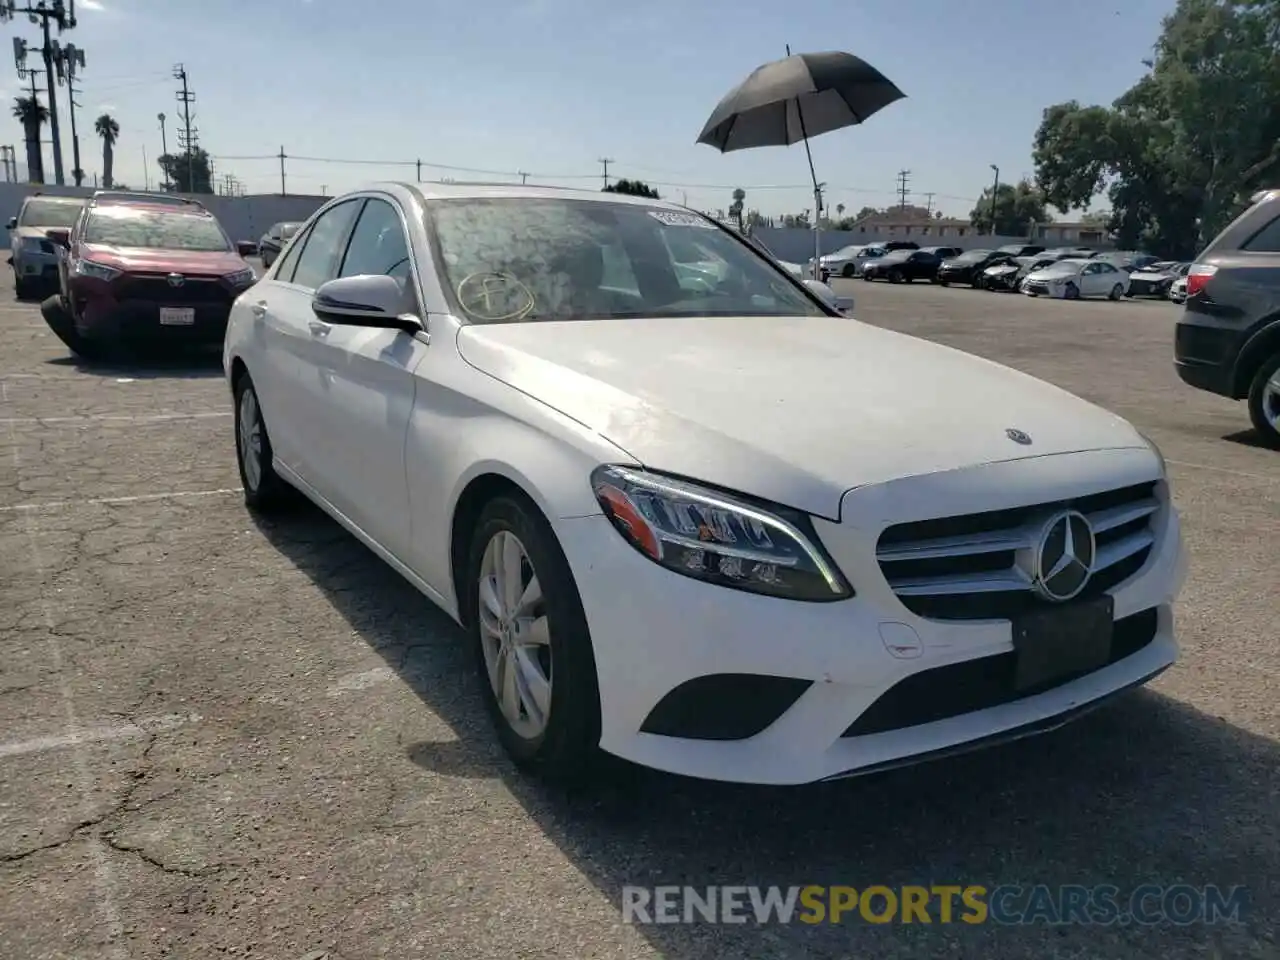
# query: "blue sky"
[[550, 86]]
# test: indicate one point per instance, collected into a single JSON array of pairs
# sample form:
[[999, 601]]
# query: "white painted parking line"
[[96, 734], [118, 418], [1227, 470], [110, 501]]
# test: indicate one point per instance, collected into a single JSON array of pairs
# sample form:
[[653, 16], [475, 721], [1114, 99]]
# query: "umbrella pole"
[[817, 197]]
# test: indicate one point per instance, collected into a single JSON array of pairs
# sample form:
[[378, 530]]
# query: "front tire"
[[1071, 292], [1264, 401], [1116, 292], [264, 491], [848, 271], [532, 644], [60, 320]]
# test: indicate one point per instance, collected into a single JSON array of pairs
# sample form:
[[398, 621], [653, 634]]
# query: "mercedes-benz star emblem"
[[176, 279], [1064, 556], [1017, 436]]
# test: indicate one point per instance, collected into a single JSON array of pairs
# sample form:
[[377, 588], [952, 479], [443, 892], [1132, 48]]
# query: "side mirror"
[[828, 296], [59, 235], [246, 248], [366, 300], [13, 222]]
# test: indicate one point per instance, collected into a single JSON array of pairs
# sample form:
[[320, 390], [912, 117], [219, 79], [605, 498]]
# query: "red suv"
[[144, 268]]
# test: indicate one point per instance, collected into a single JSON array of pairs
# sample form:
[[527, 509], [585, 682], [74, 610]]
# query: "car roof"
[[52, 198]]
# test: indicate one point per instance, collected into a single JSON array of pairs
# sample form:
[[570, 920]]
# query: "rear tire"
[[1116, 292], [1264, 401], [264, 491], [561, 743], [896, 276]]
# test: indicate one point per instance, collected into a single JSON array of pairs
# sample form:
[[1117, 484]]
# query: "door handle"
[[318, 328], [259, 309]]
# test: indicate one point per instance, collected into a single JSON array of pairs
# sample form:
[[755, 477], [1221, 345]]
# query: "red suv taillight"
[[1198, 276]]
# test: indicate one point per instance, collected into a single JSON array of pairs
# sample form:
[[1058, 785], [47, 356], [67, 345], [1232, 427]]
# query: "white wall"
[[244, 218]]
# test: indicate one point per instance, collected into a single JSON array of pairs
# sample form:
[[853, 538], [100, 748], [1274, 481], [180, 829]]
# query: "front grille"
[[156, 289], [975, 567]]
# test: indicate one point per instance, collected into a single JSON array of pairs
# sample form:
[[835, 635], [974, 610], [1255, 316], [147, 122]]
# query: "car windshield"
[[973, 256], [49, 213], [845, 252], [515, 259], [159, 229], [1062, 268]]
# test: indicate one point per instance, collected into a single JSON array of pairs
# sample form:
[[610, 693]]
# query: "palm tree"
[[839, 209], [33, 115], [735, 211], [109, 131]]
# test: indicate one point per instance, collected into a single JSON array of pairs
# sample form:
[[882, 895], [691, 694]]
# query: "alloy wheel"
[[249, 425], [514, 635], [1271, 400]]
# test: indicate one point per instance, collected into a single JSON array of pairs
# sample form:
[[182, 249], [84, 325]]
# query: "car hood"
[[955, 264], [143, 259], [1003, 268], [797, 410], [1151, 275], [1047, 276], [41, 233]]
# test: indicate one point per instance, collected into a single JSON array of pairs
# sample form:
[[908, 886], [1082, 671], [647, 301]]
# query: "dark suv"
[[1228, 337], [142, 270]]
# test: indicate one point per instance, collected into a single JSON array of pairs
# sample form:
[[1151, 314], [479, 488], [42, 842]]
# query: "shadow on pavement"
[[1247, 438], [1145, 791], [171, 364]]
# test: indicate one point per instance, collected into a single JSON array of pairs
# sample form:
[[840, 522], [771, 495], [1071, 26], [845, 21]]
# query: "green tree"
[[1015, 207], [189, 172], [33, 115], [1179, 153], [107, 128], [634, 188], [735, 209]]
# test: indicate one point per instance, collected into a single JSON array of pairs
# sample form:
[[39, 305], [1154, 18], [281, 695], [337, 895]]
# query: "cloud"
[[105, 107], [92, 5]]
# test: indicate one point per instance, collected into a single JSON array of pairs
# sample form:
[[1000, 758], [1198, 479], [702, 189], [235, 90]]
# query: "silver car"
[[33, 255]]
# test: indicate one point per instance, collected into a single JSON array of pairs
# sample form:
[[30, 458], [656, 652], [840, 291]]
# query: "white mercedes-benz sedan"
[[711, 527]]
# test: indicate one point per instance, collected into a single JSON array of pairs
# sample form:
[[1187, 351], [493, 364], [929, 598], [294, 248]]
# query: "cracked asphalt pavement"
[[222, 736]]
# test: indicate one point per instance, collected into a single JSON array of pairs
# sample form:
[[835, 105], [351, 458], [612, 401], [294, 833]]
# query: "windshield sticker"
[[673, 218]]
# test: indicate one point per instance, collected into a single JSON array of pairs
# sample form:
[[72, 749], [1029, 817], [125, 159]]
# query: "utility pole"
[[903, 179], [324, 189], [188, 136], [282, 155], [928, 197], [63, 15], [604, 162], [419, 163], [524, 177], [68, 59], [10, 160]]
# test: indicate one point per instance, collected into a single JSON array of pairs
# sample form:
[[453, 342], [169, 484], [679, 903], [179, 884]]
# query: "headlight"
[[1164, 468], [718, 537], [99, 271], [242, 278]]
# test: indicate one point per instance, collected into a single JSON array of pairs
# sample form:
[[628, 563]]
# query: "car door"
[[282, 312], [1090, 284], [361, 383], [1107, 278]]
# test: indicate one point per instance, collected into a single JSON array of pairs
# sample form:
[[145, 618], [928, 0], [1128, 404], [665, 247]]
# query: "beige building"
[[888, 227]]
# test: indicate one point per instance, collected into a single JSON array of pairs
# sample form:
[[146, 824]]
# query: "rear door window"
[[1266, 240]]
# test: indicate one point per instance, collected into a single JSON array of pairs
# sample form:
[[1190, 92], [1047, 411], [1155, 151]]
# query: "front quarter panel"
[[465, 425]]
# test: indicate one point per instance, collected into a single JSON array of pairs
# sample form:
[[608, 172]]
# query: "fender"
[[1264, 342]]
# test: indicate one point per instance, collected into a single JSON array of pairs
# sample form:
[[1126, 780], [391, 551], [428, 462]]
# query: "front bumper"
[[104, 312], [805, 673], [35, 267]]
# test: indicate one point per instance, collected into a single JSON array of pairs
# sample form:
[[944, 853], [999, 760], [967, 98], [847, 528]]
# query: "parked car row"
[[133, 269]]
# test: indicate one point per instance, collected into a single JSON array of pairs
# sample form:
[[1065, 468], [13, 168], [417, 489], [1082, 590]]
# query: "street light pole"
[[164, 147], [995, 189]]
